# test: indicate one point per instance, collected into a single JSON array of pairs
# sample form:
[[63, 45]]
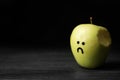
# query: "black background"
[[49, 24]]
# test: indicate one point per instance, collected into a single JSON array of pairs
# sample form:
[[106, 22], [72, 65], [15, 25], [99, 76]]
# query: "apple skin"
[[95, 48]]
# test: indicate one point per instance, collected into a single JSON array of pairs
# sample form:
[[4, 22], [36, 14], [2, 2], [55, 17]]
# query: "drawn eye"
[[83, 43], [78, 42]]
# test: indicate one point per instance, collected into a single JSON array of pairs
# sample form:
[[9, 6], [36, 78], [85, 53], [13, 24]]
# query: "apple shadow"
[[111, 65]]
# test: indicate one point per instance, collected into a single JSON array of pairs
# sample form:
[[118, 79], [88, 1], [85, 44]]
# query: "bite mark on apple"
[[104, 37]]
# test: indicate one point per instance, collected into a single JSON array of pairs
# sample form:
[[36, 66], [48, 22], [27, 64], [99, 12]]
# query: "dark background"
[[35, 39], [49, 24]]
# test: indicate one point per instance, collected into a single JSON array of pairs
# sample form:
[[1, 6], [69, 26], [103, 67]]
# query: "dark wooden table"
[[52, 64]]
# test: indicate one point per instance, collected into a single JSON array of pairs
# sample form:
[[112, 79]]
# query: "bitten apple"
[[90, 45]]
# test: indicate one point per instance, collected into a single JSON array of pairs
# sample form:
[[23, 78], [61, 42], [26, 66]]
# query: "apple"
[[90, 45]]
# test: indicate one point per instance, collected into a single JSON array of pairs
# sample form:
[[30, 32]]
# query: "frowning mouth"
[[80, 49]]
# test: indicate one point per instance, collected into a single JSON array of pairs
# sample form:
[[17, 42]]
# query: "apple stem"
[[91, 20]]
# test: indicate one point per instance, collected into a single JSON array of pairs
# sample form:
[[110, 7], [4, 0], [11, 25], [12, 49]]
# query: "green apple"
[[90, 45]]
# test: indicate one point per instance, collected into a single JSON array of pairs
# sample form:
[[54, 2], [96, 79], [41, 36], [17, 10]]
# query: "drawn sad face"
[[80, 49]]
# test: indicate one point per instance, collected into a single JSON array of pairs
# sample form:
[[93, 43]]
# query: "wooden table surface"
[[52, 64]]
